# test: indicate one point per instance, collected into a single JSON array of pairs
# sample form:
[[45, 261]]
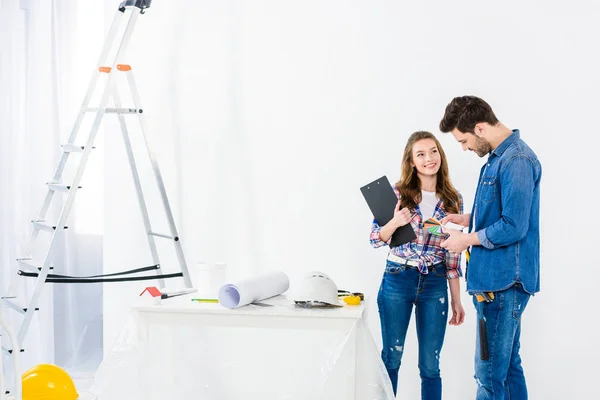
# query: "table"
[[182, 349]]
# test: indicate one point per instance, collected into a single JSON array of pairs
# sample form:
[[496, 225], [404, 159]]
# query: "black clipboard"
[[382, 200]]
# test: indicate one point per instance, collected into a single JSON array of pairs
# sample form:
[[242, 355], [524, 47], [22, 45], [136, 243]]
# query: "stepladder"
[[37, 264]]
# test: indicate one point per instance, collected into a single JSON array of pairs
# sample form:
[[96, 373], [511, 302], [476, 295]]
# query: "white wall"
[[267, 117]]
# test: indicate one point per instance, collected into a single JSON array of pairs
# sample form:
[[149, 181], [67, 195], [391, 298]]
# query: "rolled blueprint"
[[247, 291]]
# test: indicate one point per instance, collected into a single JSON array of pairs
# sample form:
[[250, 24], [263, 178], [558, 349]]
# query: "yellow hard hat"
[[48, 382]]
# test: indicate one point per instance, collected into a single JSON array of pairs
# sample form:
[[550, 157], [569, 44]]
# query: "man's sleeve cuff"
[[481, 235]]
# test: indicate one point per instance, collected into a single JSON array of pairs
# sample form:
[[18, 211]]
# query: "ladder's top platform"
[[141, 4]]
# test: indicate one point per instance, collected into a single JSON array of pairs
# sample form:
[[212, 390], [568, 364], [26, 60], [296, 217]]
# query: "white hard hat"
[[317, 289]]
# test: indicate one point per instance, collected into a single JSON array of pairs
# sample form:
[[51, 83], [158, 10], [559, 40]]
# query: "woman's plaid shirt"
[[426, 247]]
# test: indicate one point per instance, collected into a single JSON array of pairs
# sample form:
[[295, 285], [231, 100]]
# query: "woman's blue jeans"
[[402, 288]]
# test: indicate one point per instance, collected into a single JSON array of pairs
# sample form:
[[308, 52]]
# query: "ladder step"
[[13, 303], [162, 235], [39, 224], [122, 110], [58, 187], [30, 265], [71, 148]]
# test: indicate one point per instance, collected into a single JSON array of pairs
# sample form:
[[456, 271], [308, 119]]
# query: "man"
[[503, 268]]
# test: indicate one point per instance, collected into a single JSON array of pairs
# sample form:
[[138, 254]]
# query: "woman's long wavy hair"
[[409, 184]]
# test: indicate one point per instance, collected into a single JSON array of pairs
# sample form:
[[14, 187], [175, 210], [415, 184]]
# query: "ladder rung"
[[30, 264], [122, 110], [71, 148], [58, 187], [11, 302], [161, 235], [44, 226]]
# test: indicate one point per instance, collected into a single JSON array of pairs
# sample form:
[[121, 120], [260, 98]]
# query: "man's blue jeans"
[[401, 288], [501, 376]]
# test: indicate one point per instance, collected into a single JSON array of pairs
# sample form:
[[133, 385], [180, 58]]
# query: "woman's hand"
[[458, 313], [401, 217], [459, 219]]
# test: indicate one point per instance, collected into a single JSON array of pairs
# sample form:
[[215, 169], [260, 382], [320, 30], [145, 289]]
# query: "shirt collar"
[[507, 142]]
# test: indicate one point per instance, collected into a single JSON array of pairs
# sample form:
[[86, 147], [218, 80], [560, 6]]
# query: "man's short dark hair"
[[464, 112]]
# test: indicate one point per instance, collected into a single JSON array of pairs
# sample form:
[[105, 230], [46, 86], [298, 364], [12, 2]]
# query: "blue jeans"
[[401, 288], [501, 376]]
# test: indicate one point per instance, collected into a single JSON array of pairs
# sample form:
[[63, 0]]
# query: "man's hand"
[[458, 313], [459, 219], [457, 242]]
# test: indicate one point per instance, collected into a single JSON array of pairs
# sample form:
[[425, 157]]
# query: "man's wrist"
[[473, 239]]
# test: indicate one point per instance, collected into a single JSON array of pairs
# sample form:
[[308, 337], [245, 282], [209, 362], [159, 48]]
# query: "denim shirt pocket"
[[487, 190]]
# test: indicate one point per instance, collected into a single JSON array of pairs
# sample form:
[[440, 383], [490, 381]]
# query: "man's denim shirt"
[[506, 213]]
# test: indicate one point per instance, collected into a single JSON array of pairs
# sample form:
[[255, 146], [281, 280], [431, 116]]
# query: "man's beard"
[[482, 147]]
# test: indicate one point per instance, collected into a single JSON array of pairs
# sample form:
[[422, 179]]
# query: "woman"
[[416, 272]]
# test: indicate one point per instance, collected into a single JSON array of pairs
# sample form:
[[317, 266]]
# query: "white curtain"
[[40, 90]]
